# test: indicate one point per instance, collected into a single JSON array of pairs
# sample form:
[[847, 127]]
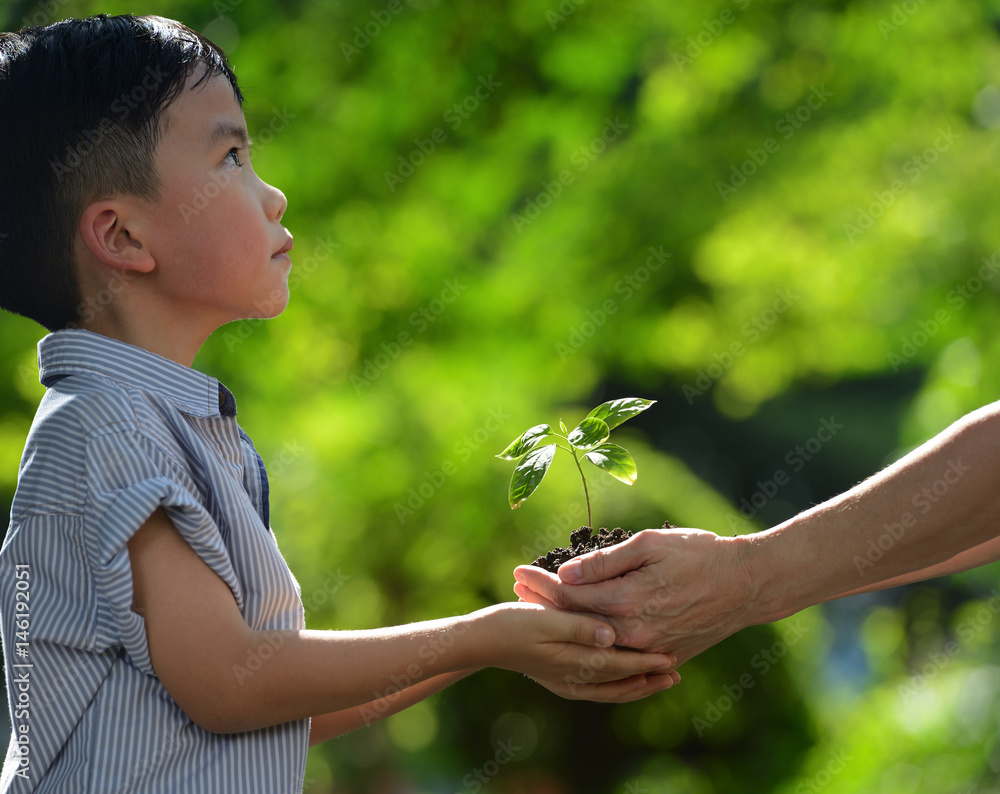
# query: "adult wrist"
[[760, 575]]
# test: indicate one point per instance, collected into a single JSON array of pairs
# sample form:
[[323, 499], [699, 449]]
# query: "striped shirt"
[[120, 432]]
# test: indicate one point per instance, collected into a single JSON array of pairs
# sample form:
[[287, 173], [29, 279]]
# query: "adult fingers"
[[604, 598], [610, 563]]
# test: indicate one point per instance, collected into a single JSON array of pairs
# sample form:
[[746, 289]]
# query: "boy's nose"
[[275, 202]]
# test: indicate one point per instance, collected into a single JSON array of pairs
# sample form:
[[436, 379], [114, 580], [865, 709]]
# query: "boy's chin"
[[270, 307]]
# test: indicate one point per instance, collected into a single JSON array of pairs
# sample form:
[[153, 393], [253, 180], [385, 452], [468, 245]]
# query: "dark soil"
[[583, 540]]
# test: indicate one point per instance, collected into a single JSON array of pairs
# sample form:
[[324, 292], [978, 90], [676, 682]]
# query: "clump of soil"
[[583, 540]]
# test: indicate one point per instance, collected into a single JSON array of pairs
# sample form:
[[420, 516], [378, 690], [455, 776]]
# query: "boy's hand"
[[565, 649], [624, 690]]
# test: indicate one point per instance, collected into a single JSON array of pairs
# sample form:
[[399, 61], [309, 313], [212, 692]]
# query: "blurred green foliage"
[[774, 218]]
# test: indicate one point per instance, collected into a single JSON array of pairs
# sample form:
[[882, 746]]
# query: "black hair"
[[81, 104]]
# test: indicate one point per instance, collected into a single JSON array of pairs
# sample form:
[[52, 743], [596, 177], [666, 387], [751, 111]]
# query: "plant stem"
[[590, 521]]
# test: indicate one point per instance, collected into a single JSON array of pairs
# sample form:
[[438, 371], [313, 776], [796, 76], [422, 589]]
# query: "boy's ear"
[[109, 236]]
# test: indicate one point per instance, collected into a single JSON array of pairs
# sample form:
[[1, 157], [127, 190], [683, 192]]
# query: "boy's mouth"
[[285, 248]]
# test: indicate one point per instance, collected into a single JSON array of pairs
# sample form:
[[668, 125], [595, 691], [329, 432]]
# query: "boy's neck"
[[177, 340]]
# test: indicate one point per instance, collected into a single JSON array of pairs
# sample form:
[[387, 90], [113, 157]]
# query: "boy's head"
[[81, 109]]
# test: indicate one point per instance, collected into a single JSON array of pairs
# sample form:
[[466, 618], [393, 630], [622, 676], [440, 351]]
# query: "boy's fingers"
[[612, 664], [528, 595], [534, 577], [593, 632], [624, 690], [544, 584]]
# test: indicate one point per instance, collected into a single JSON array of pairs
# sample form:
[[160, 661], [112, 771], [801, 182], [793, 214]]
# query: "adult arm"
[[933, 512], [199, 643]]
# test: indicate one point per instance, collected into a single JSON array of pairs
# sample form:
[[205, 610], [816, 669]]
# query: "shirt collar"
[[72, 351]]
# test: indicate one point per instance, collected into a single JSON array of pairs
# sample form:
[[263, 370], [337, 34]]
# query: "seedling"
[[535, 449]]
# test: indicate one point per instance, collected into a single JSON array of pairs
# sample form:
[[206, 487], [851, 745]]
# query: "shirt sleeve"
[[128, 478]]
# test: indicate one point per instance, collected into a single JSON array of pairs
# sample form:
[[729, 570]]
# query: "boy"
[[139, 572]]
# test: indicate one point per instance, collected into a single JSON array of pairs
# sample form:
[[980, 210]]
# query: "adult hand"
[[933, 512], [676, 590]]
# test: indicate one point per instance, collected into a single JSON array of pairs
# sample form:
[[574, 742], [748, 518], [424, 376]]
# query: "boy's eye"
[[235, 154]]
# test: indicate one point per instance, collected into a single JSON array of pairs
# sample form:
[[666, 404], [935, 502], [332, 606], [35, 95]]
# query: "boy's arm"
[[337, 723], [199, 643]]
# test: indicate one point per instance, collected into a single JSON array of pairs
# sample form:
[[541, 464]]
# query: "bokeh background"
[[777, 219]]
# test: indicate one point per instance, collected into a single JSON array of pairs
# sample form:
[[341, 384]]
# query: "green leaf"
[[529, 473], [562, 426], [616, 461], [615, 412], [524, 443], [589, 433]]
